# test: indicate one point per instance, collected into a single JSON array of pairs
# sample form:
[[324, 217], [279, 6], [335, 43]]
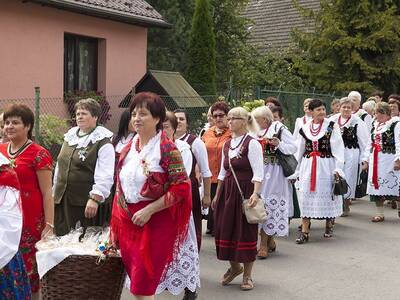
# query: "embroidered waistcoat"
[[324, 144]]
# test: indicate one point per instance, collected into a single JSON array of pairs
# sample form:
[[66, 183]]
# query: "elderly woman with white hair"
[[355, 97], [235, 238], [369, 106], [275, 191], [382, 159], [355, 138]]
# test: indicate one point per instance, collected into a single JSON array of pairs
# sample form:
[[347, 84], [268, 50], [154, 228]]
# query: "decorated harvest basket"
[[84, 277]]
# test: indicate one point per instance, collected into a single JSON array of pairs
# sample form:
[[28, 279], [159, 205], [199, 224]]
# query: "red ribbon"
[[376, 149], [314, 154]]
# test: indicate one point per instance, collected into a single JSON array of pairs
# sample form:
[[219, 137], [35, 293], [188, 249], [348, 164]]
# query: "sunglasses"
[[216, 116]]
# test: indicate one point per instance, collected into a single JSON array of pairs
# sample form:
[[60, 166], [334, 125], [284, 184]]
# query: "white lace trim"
[[320, 205], [98, 134], [278, 216]]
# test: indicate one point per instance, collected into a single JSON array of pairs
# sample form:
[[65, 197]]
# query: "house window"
[[80, 63]]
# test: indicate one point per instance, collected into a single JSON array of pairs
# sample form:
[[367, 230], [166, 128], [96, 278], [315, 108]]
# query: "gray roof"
[[137, 12], [274, 20]]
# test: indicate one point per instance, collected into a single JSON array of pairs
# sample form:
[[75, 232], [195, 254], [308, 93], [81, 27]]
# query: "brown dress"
[[235, 239], [196, 201]]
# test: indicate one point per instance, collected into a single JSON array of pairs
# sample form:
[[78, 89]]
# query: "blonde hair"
[[240, 112], [383, 108], [369, 105], [263, 112], [307, 100]]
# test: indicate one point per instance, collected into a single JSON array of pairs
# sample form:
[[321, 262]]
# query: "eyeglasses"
[[216, 116], [234, 118]]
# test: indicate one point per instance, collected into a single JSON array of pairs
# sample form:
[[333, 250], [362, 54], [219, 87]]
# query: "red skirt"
[[146, 251]]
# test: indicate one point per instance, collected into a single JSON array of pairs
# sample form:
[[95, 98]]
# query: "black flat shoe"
[[302, 238], [189, 295]]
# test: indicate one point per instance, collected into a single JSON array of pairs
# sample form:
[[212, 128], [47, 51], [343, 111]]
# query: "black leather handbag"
[[361, 187], [287, 161], [340, 186]]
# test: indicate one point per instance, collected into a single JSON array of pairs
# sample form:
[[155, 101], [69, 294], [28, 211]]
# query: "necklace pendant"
[[82, 154], [12, 163]]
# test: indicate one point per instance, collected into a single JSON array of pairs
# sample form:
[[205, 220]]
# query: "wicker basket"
[[80, 277]]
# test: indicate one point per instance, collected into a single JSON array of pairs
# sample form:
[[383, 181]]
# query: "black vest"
[[324, 144], [388, 141], [349, 136]]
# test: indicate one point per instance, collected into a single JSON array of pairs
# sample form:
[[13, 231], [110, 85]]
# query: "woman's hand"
[[141, 217], [396, 165], [47, 231], [253, 200], [214, 203], [91, 209], [206, 201], [364, 166], [274, 141]]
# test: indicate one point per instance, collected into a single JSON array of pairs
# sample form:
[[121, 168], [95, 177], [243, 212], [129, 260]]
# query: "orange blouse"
[[214, 142]]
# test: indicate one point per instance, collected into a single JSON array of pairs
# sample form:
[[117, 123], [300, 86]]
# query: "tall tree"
[[167, 48], [201, 53], [355, 45]]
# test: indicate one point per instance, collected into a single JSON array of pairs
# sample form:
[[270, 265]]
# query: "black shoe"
[[302, 238], [189, 295]]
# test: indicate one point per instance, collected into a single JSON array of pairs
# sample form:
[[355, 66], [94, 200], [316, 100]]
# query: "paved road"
[[362, 261]]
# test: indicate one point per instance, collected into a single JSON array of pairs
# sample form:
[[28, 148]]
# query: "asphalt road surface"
[[361, 261]]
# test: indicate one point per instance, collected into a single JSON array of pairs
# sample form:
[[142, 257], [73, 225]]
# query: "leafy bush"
[[52, 130]]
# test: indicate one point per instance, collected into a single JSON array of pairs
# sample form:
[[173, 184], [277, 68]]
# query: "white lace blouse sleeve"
[[187, 159], [368, 122], [287, 144], [255, 157], [363, 138], [10, 224], [104, 171], [301, 146], [222, 172], [55, 179], [200, 153], [397, 141], [337, 148]]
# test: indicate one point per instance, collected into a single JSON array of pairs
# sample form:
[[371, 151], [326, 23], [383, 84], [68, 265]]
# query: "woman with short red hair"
[[152, 205]]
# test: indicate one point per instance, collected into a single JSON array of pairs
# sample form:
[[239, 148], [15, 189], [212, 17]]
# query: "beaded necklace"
[[316, 131]]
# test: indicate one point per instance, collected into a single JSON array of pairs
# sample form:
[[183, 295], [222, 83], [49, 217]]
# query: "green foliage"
[[250, 105], [167, 48], [52, 130], [201, 53], [355, 45], [269, 69]]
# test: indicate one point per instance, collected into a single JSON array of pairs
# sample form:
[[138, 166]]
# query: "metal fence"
[[53, 115]]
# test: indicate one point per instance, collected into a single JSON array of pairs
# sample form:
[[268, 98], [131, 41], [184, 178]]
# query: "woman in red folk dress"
[[33, 165], [152, 205]]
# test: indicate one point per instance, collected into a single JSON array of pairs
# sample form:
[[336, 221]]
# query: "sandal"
[[262, 253], [328, 228], [378, 219], [302, 238], [229, 275], [247, 284], [271, 245]]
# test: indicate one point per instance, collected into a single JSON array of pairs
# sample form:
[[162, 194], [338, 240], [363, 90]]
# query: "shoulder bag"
[[287, 161], [256, 214]]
